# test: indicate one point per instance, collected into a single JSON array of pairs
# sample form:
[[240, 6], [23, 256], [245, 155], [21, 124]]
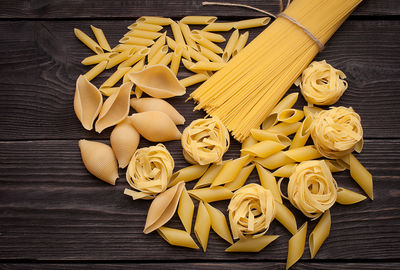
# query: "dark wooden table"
[[55, 215]]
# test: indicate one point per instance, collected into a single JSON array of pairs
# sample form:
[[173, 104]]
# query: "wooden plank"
[[52, 209], [176, 8], [43, 61]]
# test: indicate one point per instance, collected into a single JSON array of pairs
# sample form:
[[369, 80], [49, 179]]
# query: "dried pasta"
[[202, 225], [296, 246], [177, 237], [188, 174], [185, 210], [230, 170], [214, 194], [320, 233], [346, 196], [252, 244], [218, 223]]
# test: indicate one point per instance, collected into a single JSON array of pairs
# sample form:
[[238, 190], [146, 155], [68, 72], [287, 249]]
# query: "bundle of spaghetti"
[[243, 93]]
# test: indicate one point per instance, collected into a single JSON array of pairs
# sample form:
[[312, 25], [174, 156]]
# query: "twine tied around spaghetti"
[[281, 14]]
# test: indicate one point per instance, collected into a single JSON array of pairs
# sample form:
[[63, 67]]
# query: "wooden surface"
[[55, 215]]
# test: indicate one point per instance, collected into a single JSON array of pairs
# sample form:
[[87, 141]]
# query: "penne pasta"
[[276, 160], [270, 121], [90, 43], [360, 175], [96, 70], [176, 59], [172, 45], [296, 246], [290, 116], [143, 34], [209, 175], [196, 55], [210, 55], [285, 128], [185, 210], [198, 19], [176, 31], [186, 34], [177, 237], [202, 225], [240, 43], [229, 171], [154, 20], [157, 45], [187, 174], [241, 178], [249, 141], [145, 27], [158, 56], [206, 43], [320, 233], [115, 77], [191, 80], [136, 57], [218, 223], [208, 66], [230, 46], [284, 171], [108, 91], [124, 47], [115, 59], [268, 181], [101, 38], [166, 60], [264, 149], [211, 194], [285, 217], [285, 103], [336, 165], [311, 111], [346, 196], [95, 59], [137, 67], [264, 135], [251, 23], [302, 134], [210, 36], [137, 41], [252, 244], [304, 153], [218, 27]]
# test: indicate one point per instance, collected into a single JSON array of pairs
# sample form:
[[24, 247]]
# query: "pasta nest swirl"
[[311, 188], [322, 84], [251, 210], [336, 132], [150, 170], [205, 141]]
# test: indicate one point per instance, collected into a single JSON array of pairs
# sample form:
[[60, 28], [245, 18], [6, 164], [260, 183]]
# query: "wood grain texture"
[[43, 61], [51, 208], [130, 9]]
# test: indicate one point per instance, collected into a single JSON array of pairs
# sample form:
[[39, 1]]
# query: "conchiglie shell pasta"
[[99, 160], [156, 104], [155, 126], [158, 81], [115, 109], [87, 102], [124, 140]]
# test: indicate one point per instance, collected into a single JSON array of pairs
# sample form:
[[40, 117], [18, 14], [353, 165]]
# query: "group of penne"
[[146, 45]]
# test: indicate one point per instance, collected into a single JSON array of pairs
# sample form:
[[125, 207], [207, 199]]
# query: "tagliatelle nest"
[[251, 210], [149, 171], [336, 132], [205, 141], [311, 188]]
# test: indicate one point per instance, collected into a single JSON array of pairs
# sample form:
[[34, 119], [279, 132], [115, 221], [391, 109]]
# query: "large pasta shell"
[[87, 102], [158, 81], [99, 160], [115, 109], [163, 208], [124, 140], [156, 104], [155, 126]]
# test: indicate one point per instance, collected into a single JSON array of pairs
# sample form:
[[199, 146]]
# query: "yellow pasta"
[[191, 80], [186, 34], [176, 59], [212, 56], [172, 45], [206, 43], [264, 149], [286, 103], [96, 70], [268, 181], [285, 171], [264, 135], [346, 196], [240, 179], [136, 41], [251, 23], [115, 59], [124, 47], [242, 40], [136, 57], [145, 27], [230, 45], [187, 174], [166, 60], [249, 141], [198, 19], [214, 37], [290, 116], [154, 20], [185, 210], [296, 246], [218, 223], [137, 67], [208, 66], [196, 55], [177, 237], [217, 27], [361, 175], [101, 39], [336, 165], [115, 77], [209, 175], [95, 59], [285, 217], [229, 171], [90, 43], [202, 225], [303, 153], [158, 56], [320, 233], [276, 160], [176, 31], [311, 111], [302, 134], [252, 244], [108, 91], [211, 194], [157, 46], [285, 128]]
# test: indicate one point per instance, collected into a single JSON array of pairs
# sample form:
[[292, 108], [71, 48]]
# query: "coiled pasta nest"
[[311, 188], [150, 170], [251, 210], [205, 141], [322, 84], [336, 132]]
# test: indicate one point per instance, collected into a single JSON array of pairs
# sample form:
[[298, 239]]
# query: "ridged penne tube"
[[212, 56], [124, 47], [241, 178], [210, 36], [270, 121], [158, 56], [219, 27], [162, 208], [87, 102], [346, 196], [240, 43], [157, 104], [196, 55], [115, 109], [166, 85], [264, 135], [290, 116], [136, 57], [285, 128], [361, 175], [115, 77], [166, 60], [145, 27], [136, 68], [154, 20], [96, 70], [115, 59], [285, 171], [188, 65], [263, 149], [136, 41], [108, 91], [285, 217], [99, 160], [90, 43], [187, 174], [177, 237], [155, 126], [95, 59], [230, 171], [268, 181], [252, 244], [286, 103], [198, 19], [194, 79], [320, 233], [172, 45], [218, 223], [302, 134], [209, 175], [202, 225], [176, 31], [206, 43], [311, 111], [251, 23], [230, 46], [208, 66], [276, 160], [211, 194], [101, 38], [160, 42], [336, 165], [186, 34], [249, 141], [185, 210], [124, 141], [304, 153], [296, 246], [143, 34], [176, 59]]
